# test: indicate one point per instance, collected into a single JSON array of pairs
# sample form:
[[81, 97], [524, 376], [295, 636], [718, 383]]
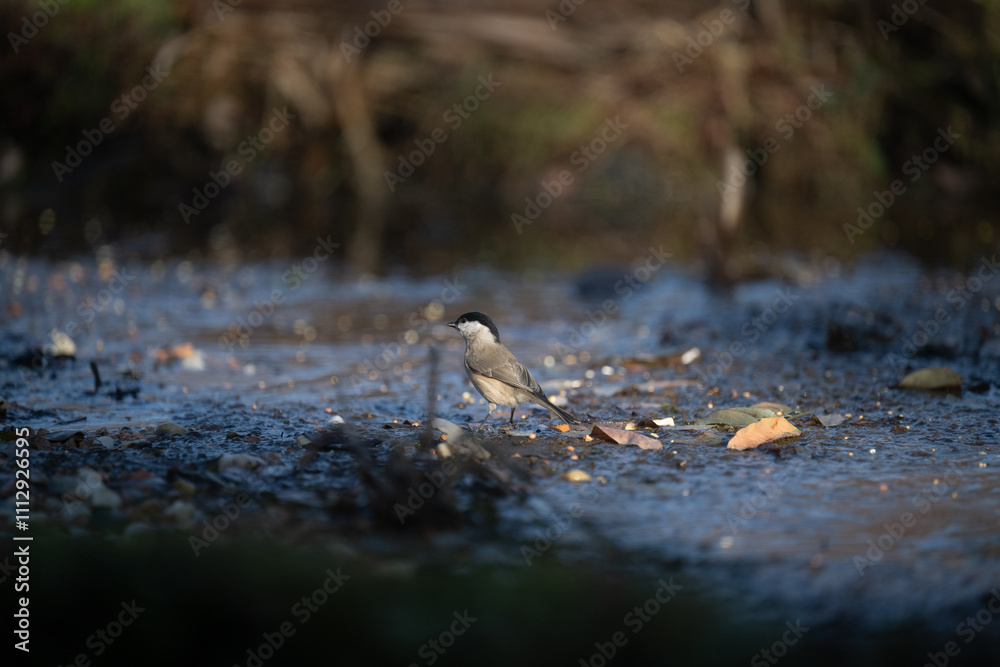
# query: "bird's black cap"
[[482, 318]]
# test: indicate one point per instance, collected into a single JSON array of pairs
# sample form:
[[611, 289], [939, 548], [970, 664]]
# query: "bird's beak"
[[453, 325]]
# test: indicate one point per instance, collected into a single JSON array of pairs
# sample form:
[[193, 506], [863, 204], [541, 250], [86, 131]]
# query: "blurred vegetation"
[[226, 602], [357, 112]]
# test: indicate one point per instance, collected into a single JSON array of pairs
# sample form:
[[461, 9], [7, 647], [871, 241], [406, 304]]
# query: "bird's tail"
[[559, 412]]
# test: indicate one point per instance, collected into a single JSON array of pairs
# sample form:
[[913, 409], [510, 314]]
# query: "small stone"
[[170, 428], [180, 511], [184, 487], [239, 460], [103, 497]]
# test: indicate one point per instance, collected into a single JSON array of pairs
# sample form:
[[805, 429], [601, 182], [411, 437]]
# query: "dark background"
[[560, 80]]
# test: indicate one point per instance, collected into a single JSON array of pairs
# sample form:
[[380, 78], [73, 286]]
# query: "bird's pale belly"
[[499, 392]]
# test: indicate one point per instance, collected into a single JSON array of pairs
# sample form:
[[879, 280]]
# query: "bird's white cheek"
[[471, 328]]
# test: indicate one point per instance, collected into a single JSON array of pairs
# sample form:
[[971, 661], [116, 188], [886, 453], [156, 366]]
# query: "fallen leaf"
[[766, 430], [754, 411], [562, 428], [620, 436], [727, 417], [938, 377], [777, 408], [830, 420]]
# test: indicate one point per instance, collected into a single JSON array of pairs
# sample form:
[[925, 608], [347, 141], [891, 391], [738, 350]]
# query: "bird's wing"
[[506, 368]]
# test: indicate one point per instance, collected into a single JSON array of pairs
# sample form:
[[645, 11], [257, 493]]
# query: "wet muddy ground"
[[298, 403]]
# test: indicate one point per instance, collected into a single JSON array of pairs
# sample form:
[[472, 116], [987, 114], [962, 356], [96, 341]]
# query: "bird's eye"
[[462, 320]]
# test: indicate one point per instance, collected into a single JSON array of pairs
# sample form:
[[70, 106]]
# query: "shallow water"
[[809, 528]]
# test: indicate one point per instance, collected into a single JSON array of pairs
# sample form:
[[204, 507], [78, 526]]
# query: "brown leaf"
[[766, 430], [622, 437]]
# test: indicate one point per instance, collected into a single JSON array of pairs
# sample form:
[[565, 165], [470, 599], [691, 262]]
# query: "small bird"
[[496, 373]]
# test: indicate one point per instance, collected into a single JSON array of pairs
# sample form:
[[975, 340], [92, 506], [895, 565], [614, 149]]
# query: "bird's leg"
[[512, 414], [493, 408]]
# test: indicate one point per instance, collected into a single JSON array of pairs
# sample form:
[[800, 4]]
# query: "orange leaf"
[[765, 430]]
